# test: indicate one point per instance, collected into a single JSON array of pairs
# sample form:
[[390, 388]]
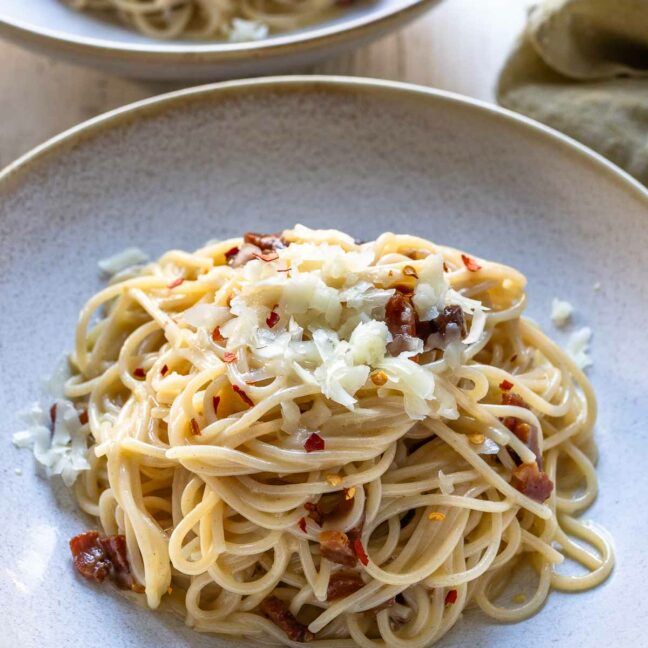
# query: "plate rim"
[[200, 52], [167, 101]]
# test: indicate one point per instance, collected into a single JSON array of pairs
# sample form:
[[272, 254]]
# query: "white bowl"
[[51, 27], [364, 156]]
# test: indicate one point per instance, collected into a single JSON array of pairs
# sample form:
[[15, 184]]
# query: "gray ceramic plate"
[[363, 156]]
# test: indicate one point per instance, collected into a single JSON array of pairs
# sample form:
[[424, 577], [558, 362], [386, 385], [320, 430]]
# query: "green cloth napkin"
[[581, 66]]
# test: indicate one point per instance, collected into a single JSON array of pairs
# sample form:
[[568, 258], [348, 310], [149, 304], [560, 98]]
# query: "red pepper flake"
[[360, 552], [231, 253], [139, 373], [228, 356], [514, 357], [273, 318], [164, 371], [175, 283], [217, 336], [215, 403], [83, 416], [53, 414], [314, 443], [505, 385], [470, 263], [302, 524], [451, 597], [445, 267], [195, 428], [244, 397], [270, 256]]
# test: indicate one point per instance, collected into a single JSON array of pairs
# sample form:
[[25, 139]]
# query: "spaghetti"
[[236, 20], [300, 437]]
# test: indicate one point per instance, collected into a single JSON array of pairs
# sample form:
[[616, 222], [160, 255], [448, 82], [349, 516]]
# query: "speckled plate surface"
[[362, 156], [52, 27]]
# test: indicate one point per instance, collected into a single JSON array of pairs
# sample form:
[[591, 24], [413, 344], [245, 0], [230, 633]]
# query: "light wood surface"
[[459, 46]]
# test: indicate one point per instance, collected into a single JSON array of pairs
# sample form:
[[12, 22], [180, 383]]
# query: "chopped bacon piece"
[[400, 317], [314, 513], [195, 428], [53, 415], [228, 356], [244, 397], [511, 398], [215, 403], [533, 483], [175, 283], [314, 443], [470, 263], [277, 611], [273, 318], [360, 552], [265, 241], [335, 546], [164, 370], [302, 524], [505, 385], [267, 257], [217, 336], [231, 253], [83, 416], [451, 315], [343, 583], [451, 597], [97, 557], [139, 372]]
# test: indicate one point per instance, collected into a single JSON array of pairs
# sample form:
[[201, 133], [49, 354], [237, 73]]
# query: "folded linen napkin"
[[581, 66]]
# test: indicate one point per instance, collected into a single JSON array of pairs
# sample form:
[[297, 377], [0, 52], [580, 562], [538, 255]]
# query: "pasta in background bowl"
[[228, 38]]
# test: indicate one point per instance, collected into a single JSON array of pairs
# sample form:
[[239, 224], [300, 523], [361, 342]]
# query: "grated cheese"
[[247, 30], [65, 453], [123, 260], [578, 347], [561, 312]]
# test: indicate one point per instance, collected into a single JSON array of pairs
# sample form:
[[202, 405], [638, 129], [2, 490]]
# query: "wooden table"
[[460, 46]]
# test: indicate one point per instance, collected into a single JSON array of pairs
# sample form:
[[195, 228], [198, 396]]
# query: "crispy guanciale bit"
[[451, 315], [336, 547], [402, 321], [400, 317], [532, 482], [265, 242], [98, 557], [277, 611], [343, 583]]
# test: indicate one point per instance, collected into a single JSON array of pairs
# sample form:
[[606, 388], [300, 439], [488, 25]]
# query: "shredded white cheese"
[[578, 347], [247, 30], [62, 452], [561, 312], [123, 260]]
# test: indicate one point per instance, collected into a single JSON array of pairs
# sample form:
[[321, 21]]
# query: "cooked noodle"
[[210, 494], [211, 19]]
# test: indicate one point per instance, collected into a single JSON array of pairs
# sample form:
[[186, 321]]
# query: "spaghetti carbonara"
[[301, 437], [236, 20]]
